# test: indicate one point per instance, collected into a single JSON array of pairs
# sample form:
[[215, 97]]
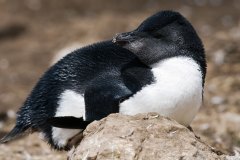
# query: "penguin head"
[[165, 34]]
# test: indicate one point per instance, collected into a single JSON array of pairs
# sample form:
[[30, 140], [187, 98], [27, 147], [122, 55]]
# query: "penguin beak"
[[124, 38]]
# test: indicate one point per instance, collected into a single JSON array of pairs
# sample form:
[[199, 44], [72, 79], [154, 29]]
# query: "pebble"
[[4, 64], [11, 114], [219, 57], [217, 100]]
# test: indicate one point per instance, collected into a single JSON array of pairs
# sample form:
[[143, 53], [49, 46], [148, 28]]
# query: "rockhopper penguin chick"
[[158, 67]]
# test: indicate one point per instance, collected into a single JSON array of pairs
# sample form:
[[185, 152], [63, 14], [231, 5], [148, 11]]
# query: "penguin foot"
[[190, 129], [74, 141]]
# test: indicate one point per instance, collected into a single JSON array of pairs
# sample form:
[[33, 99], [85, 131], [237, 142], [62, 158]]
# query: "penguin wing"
[[103, 95], [135, 75], [68, 122]]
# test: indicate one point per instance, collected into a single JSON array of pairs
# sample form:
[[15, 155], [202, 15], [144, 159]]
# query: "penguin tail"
[[68, 122], [16, 132]]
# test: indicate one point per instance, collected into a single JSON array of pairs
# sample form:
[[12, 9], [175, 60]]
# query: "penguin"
[[86, 85], [158, 67]]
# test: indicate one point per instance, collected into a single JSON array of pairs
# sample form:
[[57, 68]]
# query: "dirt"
[[33, 31]]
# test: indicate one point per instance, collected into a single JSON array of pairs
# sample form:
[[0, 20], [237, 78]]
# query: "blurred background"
[[34, 32]]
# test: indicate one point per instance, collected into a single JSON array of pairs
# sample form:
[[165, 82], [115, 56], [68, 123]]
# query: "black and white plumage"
[[159, 67]]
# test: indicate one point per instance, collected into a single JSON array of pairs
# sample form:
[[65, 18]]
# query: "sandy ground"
[[33, 31]]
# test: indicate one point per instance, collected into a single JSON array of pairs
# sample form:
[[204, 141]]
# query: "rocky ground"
[[33, 31]]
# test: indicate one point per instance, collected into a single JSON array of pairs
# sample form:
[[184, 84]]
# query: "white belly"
[[176, 92], [70, 104]]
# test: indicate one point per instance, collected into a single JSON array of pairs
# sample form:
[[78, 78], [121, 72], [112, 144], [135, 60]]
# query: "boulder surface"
[[144, 137]]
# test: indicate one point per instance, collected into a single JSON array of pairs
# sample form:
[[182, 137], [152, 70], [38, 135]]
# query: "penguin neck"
[[176, 63], [155, 61], [158, 52]]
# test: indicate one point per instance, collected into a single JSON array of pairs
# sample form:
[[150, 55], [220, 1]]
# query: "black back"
[[82, 69]]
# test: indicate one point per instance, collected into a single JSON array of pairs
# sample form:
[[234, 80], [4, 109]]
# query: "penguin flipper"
[[16, 132], [68, 122], [104, 96]]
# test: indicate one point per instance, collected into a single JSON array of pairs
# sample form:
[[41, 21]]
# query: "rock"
[[217, 100], [236, 155], [144, 136]]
